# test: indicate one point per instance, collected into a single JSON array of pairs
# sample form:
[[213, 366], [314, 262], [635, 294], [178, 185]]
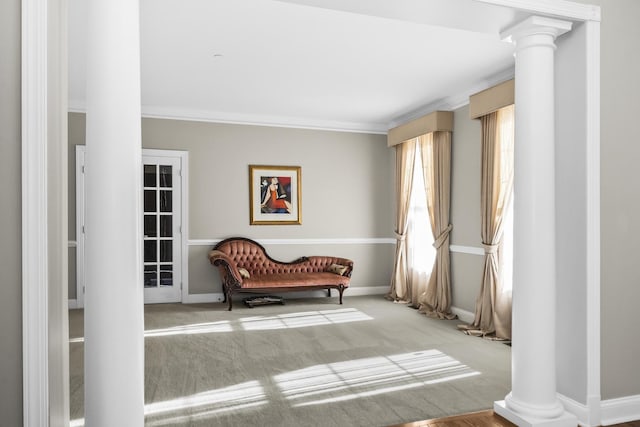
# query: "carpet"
[[310, 362]]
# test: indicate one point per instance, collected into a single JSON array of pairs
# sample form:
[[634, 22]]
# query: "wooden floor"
[[476, 419], [480, 419]]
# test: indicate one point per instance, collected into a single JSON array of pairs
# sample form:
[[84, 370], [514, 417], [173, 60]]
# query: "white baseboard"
[[366, 290], [464, 315], [588, 415], [219, 296], [203, 298], [622, 410], [355, 291], [471, 250]]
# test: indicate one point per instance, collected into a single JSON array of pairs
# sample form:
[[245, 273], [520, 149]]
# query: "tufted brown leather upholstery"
[[269, 275]]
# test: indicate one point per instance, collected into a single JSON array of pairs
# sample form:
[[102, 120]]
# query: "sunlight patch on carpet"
[[371, 376], [303, 319], [201, 405], [260, 323], [198, 328]]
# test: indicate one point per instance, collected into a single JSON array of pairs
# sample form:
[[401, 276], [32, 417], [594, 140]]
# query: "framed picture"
[[275, 195]]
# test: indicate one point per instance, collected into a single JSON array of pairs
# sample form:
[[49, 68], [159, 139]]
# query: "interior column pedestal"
[[533, 400]]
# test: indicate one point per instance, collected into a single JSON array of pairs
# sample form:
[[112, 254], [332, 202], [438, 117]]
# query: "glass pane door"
[[161, 225]]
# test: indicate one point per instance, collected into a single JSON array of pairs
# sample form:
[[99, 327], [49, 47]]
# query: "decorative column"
[[533, 400], [114, 311]]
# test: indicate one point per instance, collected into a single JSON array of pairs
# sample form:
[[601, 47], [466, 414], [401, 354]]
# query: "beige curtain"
[[405, 160], [493, 306], [436, 158]]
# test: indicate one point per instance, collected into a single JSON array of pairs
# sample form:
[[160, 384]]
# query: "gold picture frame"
[[275, 195]]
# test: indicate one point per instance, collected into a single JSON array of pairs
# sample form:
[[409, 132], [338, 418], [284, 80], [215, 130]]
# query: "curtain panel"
[[405, 160], [493, 305], [436, 159]]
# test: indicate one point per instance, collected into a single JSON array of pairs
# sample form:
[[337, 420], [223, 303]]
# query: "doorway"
[[163, 219]]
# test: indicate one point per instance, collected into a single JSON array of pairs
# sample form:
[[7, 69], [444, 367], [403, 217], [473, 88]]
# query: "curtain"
[[420, 251], [405, 160], [436, 158], [493, 305]]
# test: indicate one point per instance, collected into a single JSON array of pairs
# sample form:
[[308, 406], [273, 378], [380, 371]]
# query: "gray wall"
[[571, 215], [466, 269], [10, 217], [620, 197], [346, 190]]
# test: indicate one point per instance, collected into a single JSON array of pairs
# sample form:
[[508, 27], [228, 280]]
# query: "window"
[[421, 252]]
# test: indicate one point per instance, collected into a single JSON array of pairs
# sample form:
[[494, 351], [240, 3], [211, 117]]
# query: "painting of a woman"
[[275, 197]]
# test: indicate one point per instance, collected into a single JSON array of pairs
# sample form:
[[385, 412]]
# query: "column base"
[[563, 420]]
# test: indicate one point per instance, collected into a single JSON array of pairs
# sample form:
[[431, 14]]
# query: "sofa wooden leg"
[[340, 290], [230, 300]]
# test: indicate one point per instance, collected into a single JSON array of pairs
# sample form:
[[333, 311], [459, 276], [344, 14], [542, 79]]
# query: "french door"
[[162, 243], [162, 225]]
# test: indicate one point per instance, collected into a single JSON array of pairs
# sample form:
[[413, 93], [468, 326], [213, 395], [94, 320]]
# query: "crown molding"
[[449, 103], [168, 113], [454, 102]]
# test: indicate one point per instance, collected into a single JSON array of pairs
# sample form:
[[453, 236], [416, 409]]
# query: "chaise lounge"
[[244, 266]]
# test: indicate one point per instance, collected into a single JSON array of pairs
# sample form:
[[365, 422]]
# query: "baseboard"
[[366, 290], [356, 291], [203, 298], [219, 296], [588, 415], [622, 410], [471, 250], [608, 412], [464, 315]]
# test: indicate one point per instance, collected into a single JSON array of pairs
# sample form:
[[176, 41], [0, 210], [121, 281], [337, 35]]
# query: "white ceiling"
[[362, 65]]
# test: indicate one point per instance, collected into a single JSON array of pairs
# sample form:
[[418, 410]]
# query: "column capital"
[[536, 25]]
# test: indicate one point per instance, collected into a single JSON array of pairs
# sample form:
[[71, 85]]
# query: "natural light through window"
[[369, 376], [315, 385], [506, 138], [303, 319], [197, 328], [421, 250], [201, 405], [261, 323]]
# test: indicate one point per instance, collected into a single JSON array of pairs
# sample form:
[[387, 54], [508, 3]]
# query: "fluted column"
[[533, 400], [114, 322]]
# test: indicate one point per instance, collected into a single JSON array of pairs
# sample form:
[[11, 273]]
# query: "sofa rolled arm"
[[223, 261]]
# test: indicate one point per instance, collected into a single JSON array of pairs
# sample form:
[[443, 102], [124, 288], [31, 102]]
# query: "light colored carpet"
[[311, 362]]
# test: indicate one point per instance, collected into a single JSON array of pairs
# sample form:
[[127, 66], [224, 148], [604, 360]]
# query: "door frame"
[[183, 156]]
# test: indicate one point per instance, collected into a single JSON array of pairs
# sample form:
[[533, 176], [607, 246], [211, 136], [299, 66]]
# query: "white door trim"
[[175, 293], [184, 217]]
